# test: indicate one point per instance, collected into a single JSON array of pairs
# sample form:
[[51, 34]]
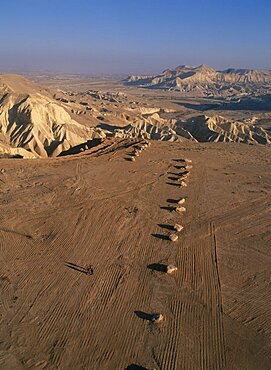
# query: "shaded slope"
[[217, 128], [201, 128], [36, 122]]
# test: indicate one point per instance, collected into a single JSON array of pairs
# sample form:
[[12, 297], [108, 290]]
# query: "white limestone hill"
[[152, 127], [33, 124], [32, 121], [204, 79], [200, 128], [216, 129]]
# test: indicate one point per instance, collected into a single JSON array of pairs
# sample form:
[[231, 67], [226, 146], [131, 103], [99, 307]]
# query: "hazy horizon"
[[136, 37]]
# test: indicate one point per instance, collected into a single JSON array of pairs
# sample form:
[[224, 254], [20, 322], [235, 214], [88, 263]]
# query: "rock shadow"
[[160, 236], [75, 149], [161, 267], [174, 201], [179, 167], [179, 160], [167, 227], [143, 315], [168, 208], [173, 173], [75, 267], [135, 367], [173, 184]]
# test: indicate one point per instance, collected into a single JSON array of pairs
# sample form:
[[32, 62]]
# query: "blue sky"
[[133, 36]]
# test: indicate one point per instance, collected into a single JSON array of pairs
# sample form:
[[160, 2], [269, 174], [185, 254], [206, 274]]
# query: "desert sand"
[[162, 194], [98, 207]]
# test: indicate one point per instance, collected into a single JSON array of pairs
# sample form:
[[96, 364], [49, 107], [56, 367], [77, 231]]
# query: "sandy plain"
[[98, 207]]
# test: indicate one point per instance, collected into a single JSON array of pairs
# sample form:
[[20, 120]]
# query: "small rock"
[[171, 269], [157, 318], [181, 201], [180, 209], [173, 237], [178, 227]]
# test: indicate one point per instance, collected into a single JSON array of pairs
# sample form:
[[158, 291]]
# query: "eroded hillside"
[[38, 122]]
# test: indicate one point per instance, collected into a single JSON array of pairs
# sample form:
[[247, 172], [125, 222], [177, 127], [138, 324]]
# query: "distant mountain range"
[[205, 79]]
